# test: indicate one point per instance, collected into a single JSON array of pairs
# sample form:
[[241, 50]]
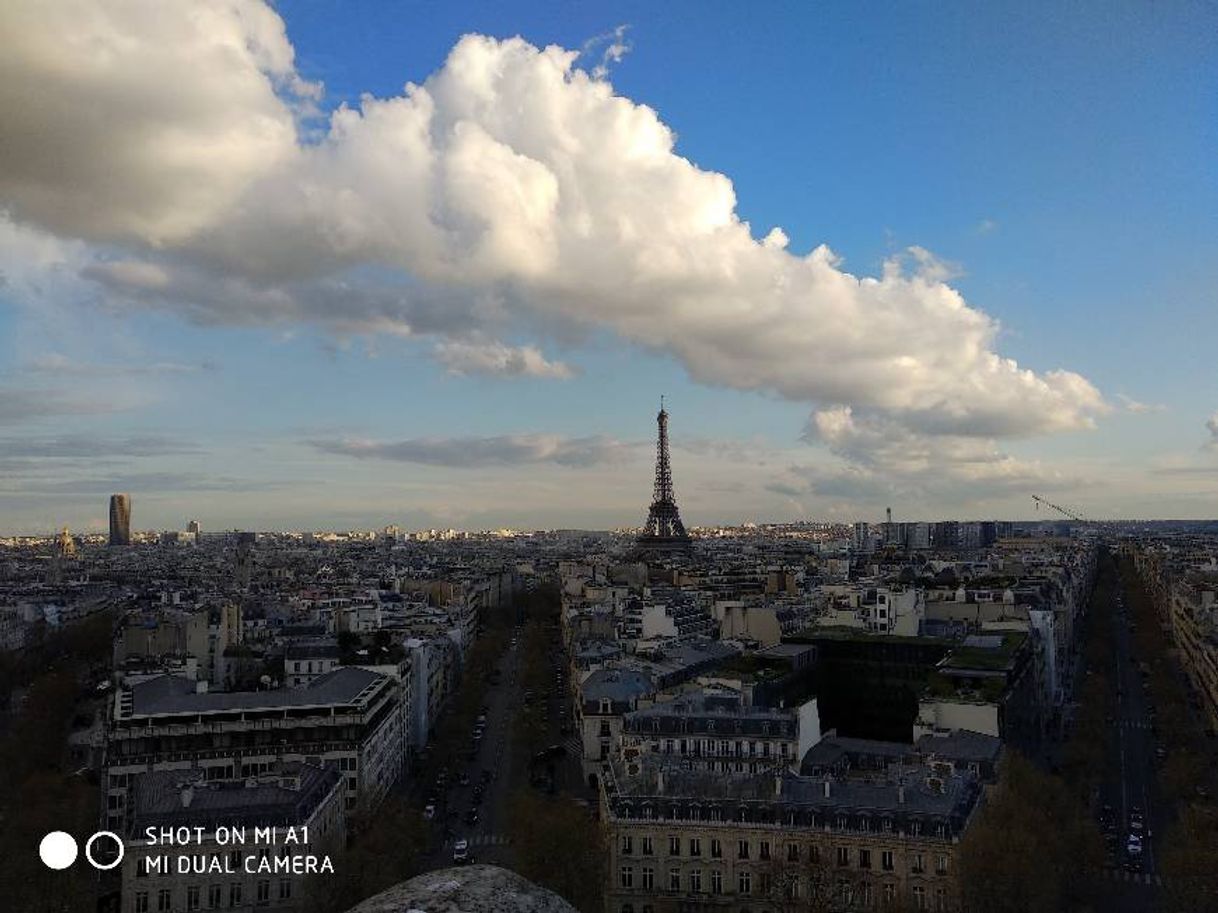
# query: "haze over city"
[[332, 265]]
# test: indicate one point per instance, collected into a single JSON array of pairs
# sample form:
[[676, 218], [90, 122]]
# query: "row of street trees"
[[1190, 846], [50, 682]]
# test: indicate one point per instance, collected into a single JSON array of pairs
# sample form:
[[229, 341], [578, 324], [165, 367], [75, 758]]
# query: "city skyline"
[[851, 301]]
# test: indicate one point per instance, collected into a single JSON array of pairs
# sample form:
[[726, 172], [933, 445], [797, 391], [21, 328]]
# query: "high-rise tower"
[[120, 519], [664, 530]]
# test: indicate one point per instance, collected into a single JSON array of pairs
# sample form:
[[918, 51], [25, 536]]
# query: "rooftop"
[[172, 694], [172, 798]]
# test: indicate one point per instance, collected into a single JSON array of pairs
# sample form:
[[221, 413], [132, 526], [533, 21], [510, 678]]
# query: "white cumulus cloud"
[[508, 187]]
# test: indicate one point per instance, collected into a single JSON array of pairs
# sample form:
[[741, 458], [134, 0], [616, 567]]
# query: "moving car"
[[429, 812], [1134, 845]]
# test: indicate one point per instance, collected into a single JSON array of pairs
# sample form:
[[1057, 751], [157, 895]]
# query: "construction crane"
[[1061, 510]]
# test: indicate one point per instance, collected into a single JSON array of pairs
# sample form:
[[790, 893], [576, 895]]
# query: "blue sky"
[[1057, 164]]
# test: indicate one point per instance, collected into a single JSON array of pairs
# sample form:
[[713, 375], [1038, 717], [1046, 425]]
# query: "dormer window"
[[606, 705]]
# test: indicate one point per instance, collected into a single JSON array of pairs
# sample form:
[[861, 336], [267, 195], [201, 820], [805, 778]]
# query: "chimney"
[[660, 781], [827, 789], [901, 794], [778, 786], [188, 795]]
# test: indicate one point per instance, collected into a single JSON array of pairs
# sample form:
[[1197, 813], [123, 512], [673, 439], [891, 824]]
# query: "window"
[[886, 825], [890, 894], [674, 879], [627, 845], [234, 860], [716, 881], [940, 900], [763, 851], [814, 854], [674, 846], [792, 888], [865, 893], [695, 881], [627, 908], [919, 864], [213, 896], [915, 828], [716, 848], [765, 884], [234, 894], [668, 746], [864, 859], [844, 894], [649, 878], [192, 897], [744, 883], [742, 849], [886, 862], [627, 876], [843, 855], [264, 893], [141, 902], [919, 897], [164, 900], [285, 888], [792, 852], [648, 849], [940, 865], [695, 846]]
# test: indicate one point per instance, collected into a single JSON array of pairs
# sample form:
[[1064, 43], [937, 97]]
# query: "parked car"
[[429, 812], [461, 852], [1133, 846]]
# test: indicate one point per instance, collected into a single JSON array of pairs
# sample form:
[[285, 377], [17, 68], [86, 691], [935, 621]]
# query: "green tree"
[[559, 846], [1031, 847], [1187, 860]]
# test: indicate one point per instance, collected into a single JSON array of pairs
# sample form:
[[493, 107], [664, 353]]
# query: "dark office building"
[[120, 519]]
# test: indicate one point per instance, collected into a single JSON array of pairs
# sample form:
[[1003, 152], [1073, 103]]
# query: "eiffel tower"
[[664, 531]]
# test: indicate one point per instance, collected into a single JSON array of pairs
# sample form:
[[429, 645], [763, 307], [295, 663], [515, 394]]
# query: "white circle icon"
[[89, 850], [57, 850]]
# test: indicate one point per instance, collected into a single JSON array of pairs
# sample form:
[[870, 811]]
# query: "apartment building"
[[686, 841], [239, 871], [349, 717], [712, 729]]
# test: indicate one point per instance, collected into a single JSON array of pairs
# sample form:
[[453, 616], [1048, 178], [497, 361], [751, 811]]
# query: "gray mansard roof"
[[709, 713], [668, 789], [158, 798]]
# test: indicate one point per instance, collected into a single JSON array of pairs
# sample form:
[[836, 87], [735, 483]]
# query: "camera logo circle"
[[117, 859], [57, 850]]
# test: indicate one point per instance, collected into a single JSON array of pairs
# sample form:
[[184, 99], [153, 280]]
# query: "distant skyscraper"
[[664, 530], [120, 519], [194, 531]]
